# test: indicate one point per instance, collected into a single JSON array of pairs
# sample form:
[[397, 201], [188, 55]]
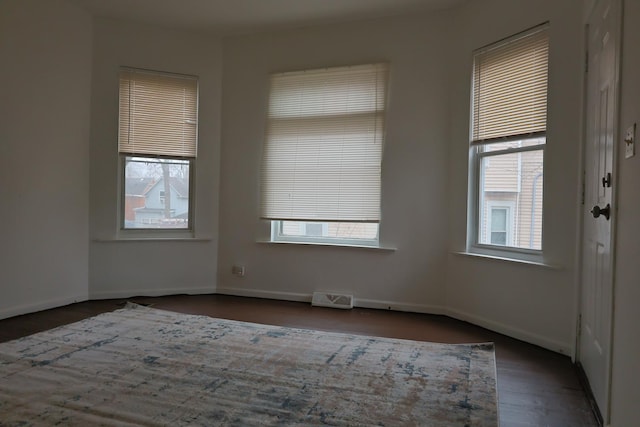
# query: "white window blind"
[[510, 87], [323, 148], [158, 114]]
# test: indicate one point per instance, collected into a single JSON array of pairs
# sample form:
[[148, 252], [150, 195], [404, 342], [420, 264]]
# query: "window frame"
[[476, 178], [475, 214], [154, 231], [277, 220], [157, 232]]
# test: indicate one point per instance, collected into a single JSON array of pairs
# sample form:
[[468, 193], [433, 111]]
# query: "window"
[[499, 226], [500, 223], [320, 178], [158, 116], [354, 233], [508, 137]]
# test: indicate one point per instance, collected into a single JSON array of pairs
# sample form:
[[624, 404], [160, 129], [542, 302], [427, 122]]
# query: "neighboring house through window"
[[499, 233], [321, 169], [500, 223], [508, 137], [157, 141]]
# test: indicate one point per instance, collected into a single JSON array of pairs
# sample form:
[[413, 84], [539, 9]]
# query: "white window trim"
[[343, 212], [158, 233], [151, 232], [509, 129], [475, 178], [510, 207]]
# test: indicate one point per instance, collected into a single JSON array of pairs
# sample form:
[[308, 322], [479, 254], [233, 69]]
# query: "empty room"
[[307, 212]]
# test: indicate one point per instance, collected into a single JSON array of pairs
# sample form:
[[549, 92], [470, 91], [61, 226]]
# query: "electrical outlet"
[[238, 270], [630, 142]]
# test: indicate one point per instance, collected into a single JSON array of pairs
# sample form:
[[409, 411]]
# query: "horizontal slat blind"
[[158, 114], [323, 148], [510, 87]]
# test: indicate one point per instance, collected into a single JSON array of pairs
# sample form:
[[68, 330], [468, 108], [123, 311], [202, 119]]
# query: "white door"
[[597, 255]]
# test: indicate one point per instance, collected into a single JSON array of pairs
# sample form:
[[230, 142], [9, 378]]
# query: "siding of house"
[[131, 203], [179, 204], [338, 230], [143, 204]]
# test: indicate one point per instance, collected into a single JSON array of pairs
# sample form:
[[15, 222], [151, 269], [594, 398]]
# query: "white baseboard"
[[96, 295], [257, 293], [41, 305], [549, 344], [398, 306], [357, 302]]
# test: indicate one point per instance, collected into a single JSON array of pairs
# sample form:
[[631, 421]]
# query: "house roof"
[[138, 186], [141, 186], [180, 185]]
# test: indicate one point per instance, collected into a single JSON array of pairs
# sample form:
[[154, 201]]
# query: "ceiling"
[[230, 17]]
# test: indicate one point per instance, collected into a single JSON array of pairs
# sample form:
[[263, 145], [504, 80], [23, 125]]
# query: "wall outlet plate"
[[630, 141], [238, 270]]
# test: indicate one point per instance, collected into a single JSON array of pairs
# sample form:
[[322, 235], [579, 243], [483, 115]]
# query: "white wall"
[[44, 154], [529, 302], [626, 340], [121, 268], [414, 197]]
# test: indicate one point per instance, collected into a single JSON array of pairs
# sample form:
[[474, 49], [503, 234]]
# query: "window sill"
[[511, 260], [152, 239], [339, 245]]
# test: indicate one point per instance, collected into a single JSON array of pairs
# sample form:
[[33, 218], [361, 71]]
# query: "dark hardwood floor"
[[536, 387]]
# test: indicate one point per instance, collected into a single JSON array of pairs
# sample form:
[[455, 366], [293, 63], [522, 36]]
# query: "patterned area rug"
[[143, 366]]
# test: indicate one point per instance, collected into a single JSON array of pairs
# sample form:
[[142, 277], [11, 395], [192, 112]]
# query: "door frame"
[[618, 8]]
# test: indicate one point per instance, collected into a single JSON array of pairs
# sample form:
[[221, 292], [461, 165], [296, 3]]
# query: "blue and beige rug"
[[142, 366]]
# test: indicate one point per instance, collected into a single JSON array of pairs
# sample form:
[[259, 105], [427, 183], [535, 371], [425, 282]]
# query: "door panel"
[[594, 352]]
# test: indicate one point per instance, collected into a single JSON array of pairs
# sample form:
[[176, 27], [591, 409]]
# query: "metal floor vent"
[[334, 300]]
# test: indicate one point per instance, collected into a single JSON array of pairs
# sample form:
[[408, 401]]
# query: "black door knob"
[[605, 212]]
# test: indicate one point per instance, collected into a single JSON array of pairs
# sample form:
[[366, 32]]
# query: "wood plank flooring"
[[536, 387]]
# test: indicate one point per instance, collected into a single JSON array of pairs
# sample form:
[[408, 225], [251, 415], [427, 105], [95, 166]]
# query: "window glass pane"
[[313, 229], [510, 199], [499, 220], [148, 201], [330, 230], [499, 238]]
